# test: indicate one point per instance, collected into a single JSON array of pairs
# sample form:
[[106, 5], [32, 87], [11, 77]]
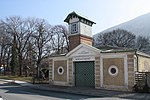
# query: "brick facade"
[[70, 72], [75, 40], [131, 73], [50, 71], [97, 72], [63, 77], [117, 80]]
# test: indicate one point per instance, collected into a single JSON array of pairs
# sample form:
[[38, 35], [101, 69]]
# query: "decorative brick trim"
[[97, 72]]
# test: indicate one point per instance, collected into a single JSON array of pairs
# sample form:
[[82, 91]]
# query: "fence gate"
[[85, 74], [142, 78], [148, 79]]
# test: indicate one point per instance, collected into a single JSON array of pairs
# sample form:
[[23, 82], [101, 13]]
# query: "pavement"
[[84, 91]]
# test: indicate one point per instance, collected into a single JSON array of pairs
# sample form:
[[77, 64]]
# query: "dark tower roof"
[[77, 15]]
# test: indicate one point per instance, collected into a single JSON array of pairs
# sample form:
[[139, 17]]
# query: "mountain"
[[138, 26]]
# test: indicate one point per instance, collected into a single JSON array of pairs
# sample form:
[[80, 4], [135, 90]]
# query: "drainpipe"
[[137, 60], [136, 65]]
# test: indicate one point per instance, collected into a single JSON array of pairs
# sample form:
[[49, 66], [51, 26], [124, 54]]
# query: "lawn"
[[26, 79]]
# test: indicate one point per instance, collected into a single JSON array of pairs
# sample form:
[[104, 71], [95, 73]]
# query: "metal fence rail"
[[142, 80]]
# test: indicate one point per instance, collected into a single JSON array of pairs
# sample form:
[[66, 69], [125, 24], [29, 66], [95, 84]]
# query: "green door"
[[84, 74]]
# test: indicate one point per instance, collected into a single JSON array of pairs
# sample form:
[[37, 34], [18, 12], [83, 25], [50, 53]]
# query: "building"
[[87, 66]]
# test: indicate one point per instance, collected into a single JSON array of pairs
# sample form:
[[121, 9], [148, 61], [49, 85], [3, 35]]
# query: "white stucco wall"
[[85, 29], [82, 28], [73, 20]]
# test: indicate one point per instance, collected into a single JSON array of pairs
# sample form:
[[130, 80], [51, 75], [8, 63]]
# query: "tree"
[[14, 58], [42, 41], [60, 39], [23, 36], [27, 40], [117, 38], [143, 44], [12, 25], [5, 43], [20, 29]]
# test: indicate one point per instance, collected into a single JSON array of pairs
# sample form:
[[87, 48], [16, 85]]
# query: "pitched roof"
[[78, 15], [84, 45], [142, 54], [112, 49], [118, 50]]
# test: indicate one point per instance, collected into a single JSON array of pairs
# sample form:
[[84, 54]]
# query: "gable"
[[84, 50]]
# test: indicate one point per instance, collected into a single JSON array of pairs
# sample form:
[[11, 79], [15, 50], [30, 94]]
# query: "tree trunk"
[[14, 60], [20, 64], [38, 68]]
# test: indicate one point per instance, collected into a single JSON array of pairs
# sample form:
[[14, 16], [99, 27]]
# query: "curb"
[[102, 94], [68, 92], [9, 81], [38, 87], [78, 92]]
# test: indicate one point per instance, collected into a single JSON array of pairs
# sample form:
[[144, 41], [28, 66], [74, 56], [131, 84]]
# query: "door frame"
[[74, 73]]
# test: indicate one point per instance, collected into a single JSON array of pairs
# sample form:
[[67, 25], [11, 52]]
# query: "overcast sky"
[[106, 13]]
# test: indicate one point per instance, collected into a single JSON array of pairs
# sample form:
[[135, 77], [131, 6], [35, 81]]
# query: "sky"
[[105, 13]]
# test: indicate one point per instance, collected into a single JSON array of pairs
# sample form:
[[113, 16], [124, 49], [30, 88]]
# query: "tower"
[[80, 30]]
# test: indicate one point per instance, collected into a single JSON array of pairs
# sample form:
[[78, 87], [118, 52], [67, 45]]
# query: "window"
[[113, 70], [74, 28], [60, 70]]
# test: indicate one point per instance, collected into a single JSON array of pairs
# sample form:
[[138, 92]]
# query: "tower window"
[[74, 28]]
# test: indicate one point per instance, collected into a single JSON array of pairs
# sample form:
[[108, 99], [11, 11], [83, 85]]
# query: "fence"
[[142, 80]]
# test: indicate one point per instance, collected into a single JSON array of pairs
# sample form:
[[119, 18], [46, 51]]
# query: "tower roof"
[[79, 16]]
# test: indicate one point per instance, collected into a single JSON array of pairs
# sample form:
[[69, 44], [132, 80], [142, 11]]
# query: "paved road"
[[15, 92]]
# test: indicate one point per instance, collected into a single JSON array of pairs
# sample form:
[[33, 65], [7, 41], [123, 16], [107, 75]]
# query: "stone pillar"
[[131, 73], [97, 72], [70, 72], [50, 71]]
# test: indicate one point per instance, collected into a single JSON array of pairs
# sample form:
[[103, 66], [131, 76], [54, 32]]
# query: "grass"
[[26, 79]]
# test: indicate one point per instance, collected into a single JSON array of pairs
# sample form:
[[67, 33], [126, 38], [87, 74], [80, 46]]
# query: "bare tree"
[[42, 38], [31, 40], [5, 42], [60, 39], [143, 44], [27, 29], [21, 30], [12, 24], [117, 38]]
